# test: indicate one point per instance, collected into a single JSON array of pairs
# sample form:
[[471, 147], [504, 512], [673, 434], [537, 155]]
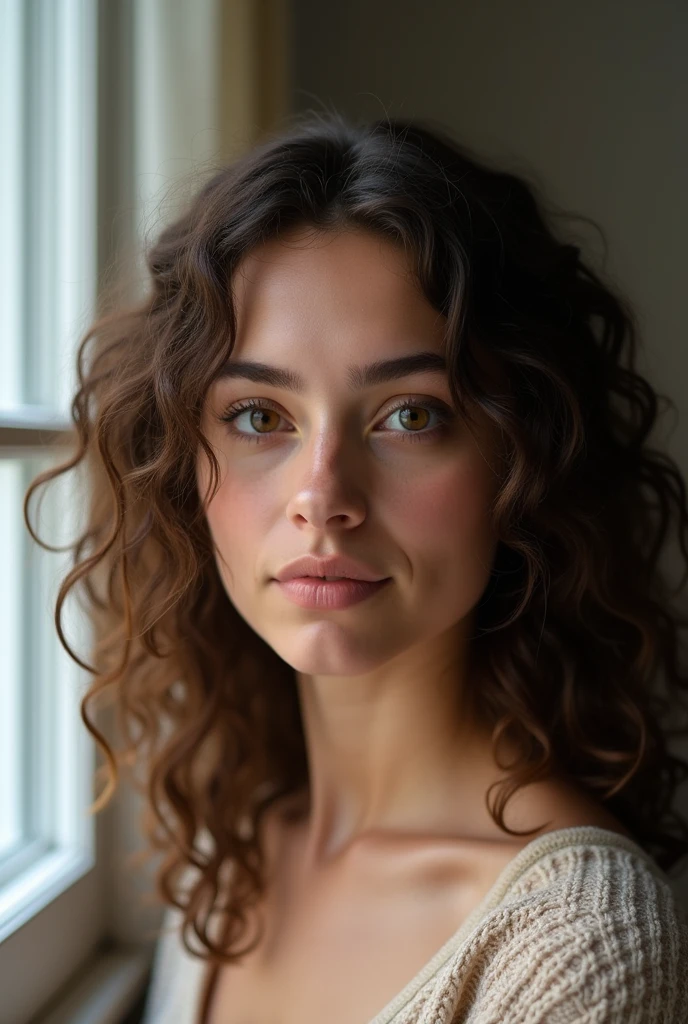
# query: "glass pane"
[[47, 190], [32, 661], [11, 204], [12, 668]]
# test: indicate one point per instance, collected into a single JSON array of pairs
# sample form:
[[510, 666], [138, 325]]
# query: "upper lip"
[[337, 565]]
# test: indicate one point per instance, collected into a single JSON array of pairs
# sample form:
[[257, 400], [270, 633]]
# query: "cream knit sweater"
[[581, 927]]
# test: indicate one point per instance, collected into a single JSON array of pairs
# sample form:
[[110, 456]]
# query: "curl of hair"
[[577, 633]]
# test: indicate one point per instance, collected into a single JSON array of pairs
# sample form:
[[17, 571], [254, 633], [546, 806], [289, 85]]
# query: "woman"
[[373, 554]]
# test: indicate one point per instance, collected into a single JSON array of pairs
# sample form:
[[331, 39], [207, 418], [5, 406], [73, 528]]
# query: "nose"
[[326, 490]]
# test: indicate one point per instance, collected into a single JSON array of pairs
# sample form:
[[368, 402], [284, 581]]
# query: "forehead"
[[343, 284]]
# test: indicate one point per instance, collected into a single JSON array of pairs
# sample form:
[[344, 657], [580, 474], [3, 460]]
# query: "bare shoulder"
[[559, 803]]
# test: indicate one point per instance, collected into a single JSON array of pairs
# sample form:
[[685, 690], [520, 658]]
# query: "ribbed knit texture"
[[581, 927]]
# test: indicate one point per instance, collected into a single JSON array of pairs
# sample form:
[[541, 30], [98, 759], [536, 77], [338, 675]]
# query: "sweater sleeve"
[[615, 952]]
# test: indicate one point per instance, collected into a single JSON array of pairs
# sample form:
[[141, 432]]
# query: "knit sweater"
[[581, 927]]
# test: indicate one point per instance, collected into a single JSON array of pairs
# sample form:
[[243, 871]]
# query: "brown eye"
[[414, 420], [262, 419], [415, 417]]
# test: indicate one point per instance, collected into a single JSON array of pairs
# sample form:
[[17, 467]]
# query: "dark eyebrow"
[[358, 377]]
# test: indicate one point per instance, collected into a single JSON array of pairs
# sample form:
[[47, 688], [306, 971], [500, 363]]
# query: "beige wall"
[[588, 99]]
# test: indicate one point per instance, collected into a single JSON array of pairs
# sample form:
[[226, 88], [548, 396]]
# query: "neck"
[[394, 750]]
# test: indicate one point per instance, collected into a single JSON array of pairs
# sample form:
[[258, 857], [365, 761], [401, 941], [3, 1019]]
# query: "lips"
[[316, 568], [317, 594]]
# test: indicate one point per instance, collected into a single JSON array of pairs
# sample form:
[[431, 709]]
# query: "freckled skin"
[[413, 511]]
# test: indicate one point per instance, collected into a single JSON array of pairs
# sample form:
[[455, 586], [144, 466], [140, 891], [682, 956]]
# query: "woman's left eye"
[[414, 415]]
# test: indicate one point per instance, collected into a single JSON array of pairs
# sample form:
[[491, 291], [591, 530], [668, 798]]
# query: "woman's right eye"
[[267, 418]]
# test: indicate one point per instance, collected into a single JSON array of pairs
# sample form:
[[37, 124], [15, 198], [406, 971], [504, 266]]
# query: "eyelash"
[[442, 413]]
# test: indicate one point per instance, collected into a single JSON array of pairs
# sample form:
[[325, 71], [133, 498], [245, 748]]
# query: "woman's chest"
[[341, 959]]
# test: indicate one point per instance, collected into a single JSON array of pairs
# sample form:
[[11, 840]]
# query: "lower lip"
[[309, 592]]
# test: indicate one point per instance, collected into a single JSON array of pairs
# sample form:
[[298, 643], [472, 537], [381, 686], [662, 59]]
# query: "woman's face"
[[386, 473]]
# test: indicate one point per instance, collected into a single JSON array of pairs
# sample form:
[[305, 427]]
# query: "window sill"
[[106, 990], [44, 878]]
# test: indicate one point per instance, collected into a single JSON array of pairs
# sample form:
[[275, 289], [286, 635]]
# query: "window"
[[47, 295]]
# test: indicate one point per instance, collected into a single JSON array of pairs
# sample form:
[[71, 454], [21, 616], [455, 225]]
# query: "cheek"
[[238, 518], [449, 505], [444, 526], [238, 510]]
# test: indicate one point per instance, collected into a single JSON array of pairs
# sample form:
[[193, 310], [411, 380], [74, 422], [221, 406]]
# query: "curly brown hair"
[[577, 628]]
